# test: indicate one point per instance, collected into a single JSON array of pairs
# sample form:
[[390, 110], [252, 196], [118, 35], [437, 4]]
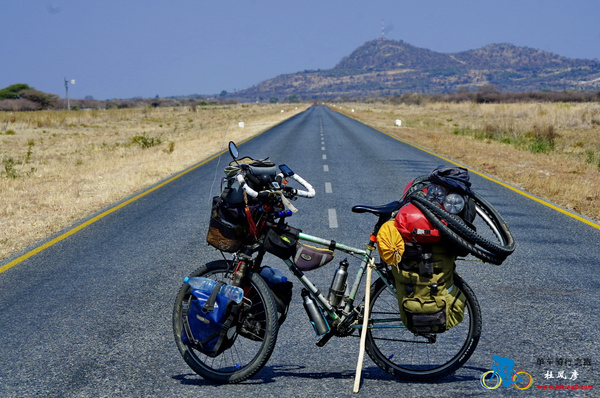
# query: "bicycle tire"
[[504, 248], [408, 356], [461, 242], [249, 353], [490, 383]]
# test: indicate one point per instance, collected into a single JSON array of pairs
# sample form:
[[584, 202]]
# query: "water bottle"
[[314, 314], [338, 285], [208, 285], [272, 276]]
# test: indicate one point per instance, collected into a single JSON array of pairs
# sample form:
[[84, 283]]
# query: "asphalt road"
[[90, 316]]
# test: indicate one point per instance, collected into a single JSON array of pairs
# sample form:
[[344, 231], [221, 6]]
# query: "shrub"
[[17, 105], [146, 142], [9, 168], [540, 146], [544, 136], [592, 158]]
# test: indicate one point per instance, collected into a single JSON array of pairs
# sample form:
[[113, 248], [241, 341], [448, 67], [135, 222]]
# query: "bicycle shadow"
[[270, 374]]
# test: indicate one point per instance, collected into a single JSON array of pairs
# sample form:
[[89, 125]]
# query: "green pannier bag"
[[429, 301]]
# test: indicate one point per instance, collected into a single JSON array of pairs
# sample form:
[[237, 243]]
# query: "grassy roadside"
[[551, 150], [59, 166]]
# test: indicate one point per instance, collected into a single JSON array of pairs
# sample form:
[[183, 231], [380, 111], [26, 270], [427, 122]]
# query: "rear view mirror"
[[233, 150]]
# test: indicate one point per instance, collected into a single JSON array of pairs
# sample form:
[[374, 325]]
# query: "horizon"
[[119, 50]]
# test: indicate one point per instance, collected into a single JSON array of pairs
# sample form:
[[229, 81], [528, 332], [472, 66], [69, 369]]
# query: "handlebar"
[[308, 193]]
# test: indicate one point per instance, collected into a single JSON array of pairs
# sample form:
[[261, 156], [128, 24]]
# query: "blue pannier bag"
[[210, 322]]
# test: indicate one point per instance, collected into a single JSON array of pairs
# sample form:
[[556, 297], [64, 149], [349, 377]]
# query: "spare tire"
[[465, 235]]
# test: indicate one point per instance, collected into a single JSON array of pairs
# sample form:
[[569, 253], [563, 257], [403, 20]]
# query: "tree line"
[[21, 97]]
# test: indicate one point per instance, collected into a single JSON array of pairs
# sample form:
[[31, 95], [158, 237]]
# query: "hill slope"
[[390, 67]]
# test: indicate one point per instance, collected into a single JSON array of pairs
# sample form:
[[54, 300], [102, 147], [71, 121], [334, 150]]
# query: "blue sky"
[[126, 48]]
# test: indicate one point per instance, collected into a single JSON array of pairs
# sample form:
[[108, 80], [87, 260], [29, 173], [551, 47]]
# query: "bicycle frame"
[[324, 303]]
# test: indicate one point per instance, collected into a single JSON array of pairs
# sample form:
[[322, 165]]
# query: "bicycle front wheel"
[[419, 357], [257, 329]]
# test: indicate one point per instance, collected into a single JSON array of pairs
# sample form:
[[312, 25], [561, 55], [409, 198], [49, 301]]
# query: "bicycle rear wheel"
[[257, 330], [419, 357]]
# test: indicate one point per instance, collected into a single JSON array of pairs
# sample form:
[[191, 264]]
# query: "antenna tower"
[[382, 29]]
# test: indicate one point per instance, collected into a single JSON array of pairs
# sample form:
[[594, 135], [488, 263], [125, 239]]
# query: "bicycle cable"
[[217, 166]]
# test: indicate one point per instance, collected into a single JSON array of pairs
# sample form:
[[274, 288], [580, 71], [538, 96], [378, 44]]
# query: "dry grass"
[[550, 150], [58, 166]]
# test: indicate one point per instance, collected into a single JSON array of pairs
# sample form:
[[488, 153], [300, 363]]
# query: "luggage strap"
[[209, 306]]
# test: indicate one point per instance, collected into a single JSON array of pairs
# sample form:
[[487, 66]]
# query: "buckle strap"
[[209, 306]]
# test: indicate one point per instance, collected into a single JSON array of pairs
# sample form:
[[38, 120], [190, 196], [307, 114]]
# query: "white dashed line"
[[324, 157], [333, 223], [325, 167], [328, 187]]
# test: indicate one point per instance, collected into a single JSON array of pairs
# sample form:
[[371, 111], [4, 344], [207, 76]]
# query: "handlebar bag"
[[210, 322], [228, 226], [260, 174]]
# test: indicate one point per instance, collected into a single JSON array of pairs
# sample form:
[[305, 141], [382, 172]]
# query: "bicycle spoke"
[[412, 356]]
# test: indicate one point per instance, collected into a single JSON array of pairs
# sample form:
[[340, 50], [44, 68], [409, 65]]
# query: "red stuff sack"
[[412, 223]]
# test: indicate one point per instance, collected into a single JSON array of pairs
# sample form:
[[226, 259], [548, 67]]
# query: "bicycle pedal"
[[325, 339]]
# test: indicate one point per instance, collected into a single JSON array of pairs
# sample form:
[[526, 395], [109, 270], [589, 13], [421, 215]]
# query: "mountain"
[[391, 67]]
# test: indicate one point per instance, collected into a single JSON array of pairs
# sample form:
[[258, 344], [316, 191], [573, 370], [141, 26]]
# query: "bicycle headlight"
[[454, 203], [436, 193]]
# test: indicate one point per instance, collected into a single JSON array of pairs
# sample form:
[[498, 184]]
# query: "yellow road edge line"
[[92, 220], [102, 215]]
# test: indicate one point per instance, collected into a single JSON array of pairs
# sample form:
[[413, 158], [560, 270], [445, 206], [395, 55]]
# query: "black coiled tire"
[[466, 236]]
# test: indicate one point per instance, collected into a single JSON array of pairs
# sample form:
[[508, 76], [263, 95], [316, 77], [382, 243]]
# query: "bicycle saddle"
[[378, 210]]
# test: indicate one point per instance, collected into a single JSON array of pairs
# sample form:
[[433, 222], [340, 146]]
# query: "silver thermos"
[[338, 285], [314, 314]]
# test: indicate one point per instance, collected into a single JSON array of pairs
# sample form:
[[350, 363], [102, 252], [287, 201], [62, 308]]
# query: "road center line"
[[324, 157], [325, 167], [333, 222], [328, 187]]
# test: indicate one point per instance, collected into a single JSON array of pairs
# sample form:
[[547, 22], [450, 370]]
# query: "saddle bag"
[[428, 300], [210, 322]]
